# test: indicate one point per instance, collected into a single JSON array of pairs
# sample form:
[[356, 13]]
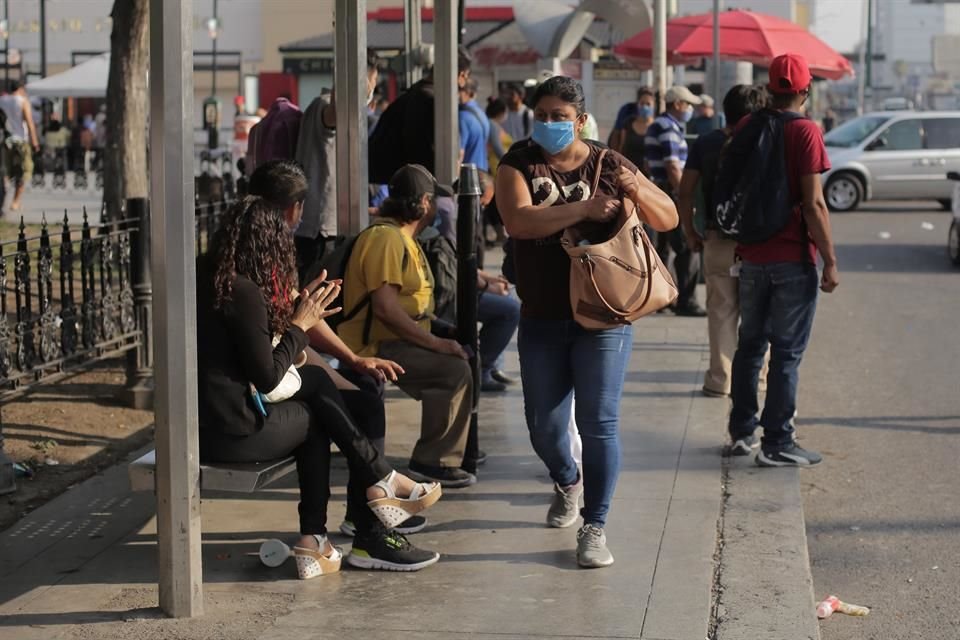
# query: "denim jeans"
[[556, 358], [498, 316], [777, 305]]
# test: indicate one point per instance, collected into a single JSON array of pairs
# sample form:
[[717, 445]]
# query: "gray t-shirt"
[[519, 124], [12, 106], [316, 152]]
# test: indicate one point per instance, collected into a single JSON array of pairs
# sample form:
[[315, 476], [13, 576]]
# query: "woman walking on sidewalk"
[[247, 301], [542, 189]]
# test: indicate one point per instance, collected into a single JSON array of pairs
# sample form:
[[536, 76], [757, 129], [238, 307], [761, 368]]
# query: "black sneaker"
[[448, 477], [413, 524], [691, 310], [389, 551], [476, 462], [500, 376], [489, 385], [791, 456], [744, 446]]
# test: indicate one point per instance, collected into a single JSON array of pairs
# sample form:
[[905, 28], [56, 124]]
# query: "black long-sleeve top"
[[234, 349]]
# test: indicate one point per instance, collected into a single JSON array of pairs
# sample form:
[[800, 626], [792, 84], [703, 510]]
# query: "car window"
[[903, 136], [942, 133], [853, 132]]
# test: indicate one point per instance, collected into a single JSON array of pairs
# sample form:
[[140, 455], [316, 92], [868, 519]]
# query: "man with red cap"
[[778, 285]]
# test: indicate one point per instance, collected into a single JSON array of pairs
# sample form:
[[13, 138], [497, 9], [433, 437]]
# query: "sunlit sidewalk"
[[84, 566]]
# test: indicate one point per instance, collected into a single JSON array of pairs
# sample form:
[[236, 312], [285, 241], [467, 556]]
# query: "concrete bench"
[[243, 477]]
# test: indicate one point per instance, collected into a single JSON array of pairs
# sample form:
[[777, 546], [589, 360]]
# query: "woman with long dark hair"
[[252, 322], [542, 189]]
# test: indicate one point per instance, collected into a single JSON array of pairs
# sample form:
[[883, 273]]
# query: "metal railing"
[[74, 296]]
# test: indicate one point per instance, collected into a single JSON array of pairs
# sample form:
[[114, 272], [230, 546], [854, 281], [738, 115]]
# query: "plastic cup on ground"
[[274, 553]]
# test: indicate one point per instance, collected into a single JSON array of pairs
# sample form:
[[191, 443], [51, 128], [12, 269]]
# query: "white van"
[[892, 155]]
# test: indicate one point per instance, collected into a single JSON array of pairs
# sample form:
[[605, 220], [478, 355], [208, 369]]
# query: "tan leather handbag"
[[615, 282]]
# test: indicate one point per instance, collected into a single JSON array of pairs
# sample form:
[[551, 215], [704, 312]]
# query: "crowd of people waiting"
[[279, 288]]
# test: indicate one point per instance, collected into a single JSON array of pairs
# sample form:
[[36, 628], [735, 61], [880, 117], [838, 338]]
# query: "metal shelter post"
[[445, 127], [660, 51], [412, 38], [350, 91], [174, 307]]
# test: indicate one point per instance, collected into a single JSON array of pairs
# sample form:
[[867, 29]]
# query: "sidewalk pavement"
[[84, 566], [51, 203]]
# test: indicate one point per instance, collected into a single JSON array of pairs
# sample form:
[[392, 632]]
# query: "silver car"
[[902, 155]]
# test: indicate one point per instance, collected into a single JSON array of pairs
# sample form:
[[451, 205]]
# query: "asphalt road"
[[880, 398]]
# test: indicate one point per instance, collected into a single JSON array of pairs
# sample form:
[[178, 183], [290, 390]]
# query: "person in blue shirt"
[[703, 122], [474, 127], [666, 154], [640, 113]]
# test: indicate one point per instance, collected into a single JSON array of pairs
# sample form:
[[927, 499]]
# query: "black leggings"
[[304, 426]]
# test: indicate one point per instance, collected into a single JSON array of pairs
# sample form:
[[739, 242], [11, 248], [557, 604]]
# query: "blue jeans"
[[498, 316], [558, 357], [777, 305]]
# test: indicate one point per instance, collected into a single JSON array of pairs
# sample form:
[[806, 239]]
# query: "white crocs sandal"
[[392, 511], [312, 563]]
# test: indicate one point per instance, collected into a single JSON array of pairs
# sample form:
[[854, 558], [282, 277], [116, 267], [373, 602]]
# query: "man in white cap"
[[704, 121], [666, 154]]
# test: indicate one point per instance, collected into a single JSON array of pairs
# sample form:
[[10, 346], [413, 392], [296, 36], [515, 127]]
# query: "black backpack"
[[751, 194], [335, 262], [442, 258]]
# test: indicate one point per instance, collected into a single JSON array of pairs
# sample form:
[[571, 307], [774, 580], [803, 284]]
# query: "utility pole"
[[716, 62], [869, 72], [43, 38], [213, 90], [862, 79], [6, 44], [660, 51]]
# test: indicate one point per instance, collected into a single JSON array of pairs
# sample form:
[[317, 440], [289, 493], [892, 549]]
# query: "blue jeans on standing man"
[[556, 358], [777, 305]]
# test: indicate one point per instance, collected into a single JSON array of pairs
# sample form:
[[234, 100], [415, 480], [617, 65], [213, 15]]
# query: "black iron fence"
[[70, 302], [77, 294]]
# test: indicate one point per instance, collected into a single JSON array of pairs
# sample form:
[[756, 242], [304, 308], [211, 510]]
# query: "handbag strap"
[[596, 178]]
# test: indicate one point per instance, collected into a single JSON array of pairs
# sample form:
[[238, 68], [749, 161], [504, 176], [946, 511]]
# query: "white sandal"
[[391, 510], [312, 563]]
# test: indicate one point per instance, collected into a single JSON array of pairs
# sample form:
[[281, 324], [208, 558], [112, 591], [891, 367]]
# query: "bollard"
[[139, 390], [468, 213]]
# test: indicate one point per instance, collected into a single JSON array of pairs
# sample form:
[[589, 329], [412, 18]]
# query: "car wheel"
[[946, 204], [953, 242], [843, 192]]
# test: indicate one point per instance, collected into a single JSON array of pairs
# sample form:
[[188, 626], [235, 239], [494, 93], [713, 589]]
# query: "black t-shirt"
[[404, 133], [705, 157], [542, 266]]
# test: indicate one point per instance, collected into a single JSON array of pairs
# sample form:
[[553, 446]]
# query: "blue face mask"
[[687, 115], [554, 137], [645, 111]]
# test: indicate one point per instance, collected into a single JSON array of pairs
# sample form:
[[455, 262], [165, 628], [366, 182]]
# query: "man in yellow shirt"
[[388, 273]]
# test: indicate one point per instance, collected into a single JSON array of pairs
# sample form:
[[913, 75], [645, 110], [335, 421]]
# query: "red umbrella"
[[745, 36]]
